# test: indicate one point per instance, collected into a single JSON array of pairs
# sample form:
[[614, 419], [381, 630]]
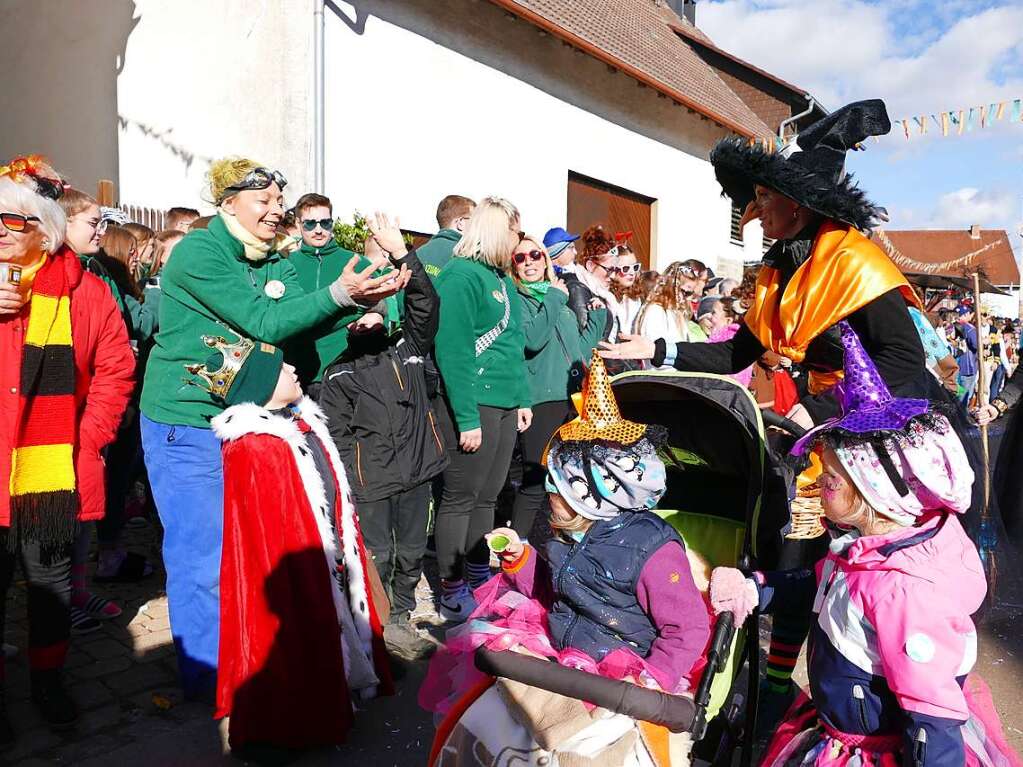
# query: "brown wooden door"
[[591, 201]]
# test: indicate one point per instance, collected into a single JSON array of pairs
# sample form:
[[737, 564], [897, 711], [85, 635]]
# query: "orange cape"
[[844, 273]]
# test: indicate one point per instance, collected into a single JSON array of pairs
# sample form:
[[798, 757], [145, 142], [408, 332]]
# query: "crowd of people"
[[306, 420]]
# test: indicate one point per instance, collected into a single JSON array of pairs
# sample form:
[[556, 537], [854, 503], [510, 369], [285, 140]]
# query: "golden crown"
[[218, 382]]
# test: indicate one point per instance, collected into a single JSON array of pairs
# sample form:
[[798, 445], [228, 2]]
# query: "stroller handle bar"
[[675, 712], [781, 422]]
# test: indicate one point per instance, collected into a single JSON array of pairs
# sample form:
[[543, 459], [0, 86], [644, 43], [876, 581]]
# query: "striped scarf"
[[44, 499]]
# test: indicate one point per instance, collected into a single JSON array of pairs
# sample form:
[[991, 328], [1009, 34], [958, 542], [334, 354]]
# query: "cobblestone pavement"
[[124, 680]]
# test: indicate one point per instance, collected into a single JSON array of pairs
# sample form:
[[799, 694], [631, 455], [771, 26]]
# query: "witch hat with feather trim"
[[811, 169]]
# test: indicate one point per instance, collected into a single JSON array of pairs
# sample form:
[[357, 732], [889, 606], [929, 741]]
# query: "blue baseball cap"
[[556, 235]]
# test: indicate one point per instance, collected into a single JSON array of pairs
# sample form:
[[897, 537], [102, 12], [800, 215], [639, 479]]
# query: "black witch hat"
[[811, 170]]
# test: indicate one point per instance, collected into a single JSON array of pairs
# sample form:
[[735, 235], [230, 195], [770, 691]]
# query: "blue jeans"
[[969, 384], [186, 473]]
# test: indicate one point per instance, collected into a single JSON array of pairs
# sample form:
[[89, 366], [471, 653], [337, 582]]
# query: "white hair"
[[23, 199], [486, 234]]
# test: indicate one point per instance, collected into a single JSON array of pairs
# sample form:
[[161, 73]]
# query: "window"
[[735, 234], [619, 210]]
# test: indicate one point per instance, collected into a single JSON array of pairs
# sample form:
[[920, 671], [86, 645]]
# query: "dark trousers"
[[48, 572], [124, 466], [471, 484], [529, 499], [394, 530]]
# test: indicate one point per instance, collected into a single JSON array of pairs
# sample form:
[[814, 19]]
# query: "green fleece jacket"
[[471, 305], [312, 351], [210, 288], [141, 319], [556, 352], [437, 251]]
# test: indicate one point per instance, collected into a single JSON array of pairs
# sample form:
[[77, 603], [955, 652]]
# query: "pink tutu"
[[505, 619], [804, 740]]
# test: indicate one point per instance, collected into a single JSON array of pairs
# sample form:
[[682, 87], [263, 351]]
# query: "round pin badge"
[[275, 289]]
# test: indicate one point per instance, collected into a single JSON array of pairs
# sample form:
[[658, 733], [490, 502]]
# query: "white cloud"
[[844, 50], [964, 207]]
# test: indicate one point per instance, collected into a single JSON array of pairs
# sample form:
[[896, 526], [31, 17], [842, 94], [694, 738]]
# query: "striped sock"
[[788, 632], [477, 574]]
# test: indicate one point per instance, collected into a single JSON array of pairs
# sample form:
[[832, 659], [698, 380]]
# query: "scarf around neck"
[[43, 488], [255, 248], [537, 289]]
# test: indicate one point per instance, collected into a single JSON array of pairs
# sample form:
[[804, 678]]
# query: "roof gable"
[[637, 36], [935, 246]]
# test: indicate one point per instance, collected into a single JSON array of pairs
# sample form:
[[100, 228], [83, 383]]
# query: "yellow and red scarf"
[[44, 497]]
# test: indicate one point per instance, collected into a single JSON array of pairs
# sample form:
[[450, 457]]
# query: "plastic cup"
[[498, 543]]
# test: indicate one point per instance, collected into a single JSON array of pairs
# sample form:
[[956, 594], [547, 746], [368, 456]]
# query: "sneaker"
[[97, 607], [53, 701], [456, 607], [82, 622], [405, 641]]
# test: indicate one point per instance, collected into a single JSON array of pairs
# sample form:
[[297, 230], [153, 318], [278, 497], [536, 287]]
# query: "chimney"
[[685, 9], [975, 231]]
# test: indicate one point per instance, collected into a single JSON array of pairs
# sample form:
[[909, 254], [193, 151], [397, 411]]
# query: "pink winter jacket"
[[902, 611]]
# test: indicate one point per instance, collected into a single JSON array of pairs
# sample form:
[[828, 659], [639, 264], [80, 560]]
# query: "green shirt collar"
[[328, 249]]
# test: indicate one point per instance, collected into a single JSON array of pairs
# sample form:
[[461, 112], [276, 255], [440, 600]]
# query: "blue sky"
[[921, 58]]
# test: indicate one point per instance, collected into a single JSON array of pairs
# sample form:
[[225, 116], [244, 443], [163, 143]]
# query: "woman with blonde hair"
[[228, 281], [668, 312], [480, 354], [556, 357]]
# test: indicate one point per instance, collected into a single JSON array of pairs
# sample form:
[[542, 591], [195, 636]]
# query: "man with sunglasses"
[[319, 261]]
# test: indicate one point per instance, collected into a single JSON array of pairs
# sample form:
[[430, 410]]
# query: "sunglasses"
[[624, 269], [533, 255], [326, 224], [257, 178], [15, 222]]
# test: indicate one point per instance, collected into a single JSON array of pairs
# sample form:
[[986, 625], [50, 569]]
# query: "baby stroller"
[[724, 492]]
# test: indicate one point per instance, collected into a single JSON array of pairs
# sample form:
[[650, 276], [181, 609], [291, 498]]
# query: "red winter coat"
[[104, 379]]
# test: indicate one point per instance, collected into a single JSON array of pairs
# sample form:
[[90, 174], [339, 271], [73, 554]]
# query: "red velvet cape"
[[281, 674]]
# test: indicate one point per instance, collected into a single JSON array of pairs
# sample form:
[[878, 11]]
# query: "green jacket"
[[437, 251], [312, 351], [141, 319], [209, 288], [471, 304], [556, 352]]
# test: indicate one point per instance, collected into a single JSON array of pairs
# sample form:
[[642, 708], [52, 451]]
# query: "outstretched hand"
[[386, 234], [634, 347], [366, 289]]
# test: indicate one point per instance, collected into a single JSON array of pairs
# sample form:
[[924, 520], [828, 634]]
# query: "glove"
[[731, 591]]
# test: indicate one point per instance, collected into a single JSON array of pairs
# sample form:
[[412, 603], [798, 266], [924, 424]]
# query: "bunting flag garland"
[[964, 120], [912, 265]]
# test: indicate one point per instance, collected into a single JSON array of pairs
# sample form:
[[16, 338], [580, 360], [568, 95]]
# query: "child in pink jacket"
[[893, 642]]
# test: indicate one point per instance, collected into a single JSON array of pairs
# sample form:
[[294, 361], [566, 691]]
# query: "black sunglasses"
[[257, 178], [533, 255], [15, 222], [326, 224]]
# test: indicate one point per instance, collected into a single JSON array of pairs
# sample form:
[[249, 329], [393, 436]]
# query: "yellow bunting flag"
[[1001, 110], [944, 123], [962, 121]]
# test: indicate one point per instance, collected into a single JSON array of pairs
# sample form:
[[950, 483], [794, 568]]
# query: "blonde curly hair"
[[225, 173]]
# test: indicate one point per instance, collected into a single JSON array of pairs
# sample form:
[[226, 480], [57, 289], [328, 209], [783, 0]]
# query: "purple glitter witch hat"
[[867, 405]]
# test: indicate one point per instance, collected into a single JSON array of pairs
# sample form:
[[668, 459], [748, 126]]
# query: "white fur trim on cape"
[[245, 419]]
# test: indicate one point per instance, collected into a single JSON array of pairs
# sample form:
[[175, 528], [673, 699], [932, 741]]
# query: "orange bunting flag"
[[905, 127], [1001, 110], [944, 123], [983, 116]]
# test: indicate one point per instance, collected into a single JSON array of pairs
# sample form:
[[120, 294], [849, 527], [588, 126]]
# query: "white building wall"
[[410, 120], [204, 79]]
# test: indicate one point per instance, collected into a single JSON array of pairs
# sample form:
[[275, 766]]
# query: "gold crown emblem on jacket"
[[218, 382]]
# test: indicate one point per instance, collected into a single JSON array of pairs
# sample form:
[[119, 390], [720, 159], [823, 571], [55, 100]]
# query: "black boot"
[[54, 703], [6, 731]]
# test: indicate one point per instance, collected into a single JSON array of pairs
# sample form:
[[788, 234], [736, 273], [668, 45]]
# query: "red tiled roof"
[[935, 246], [637, 36]]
